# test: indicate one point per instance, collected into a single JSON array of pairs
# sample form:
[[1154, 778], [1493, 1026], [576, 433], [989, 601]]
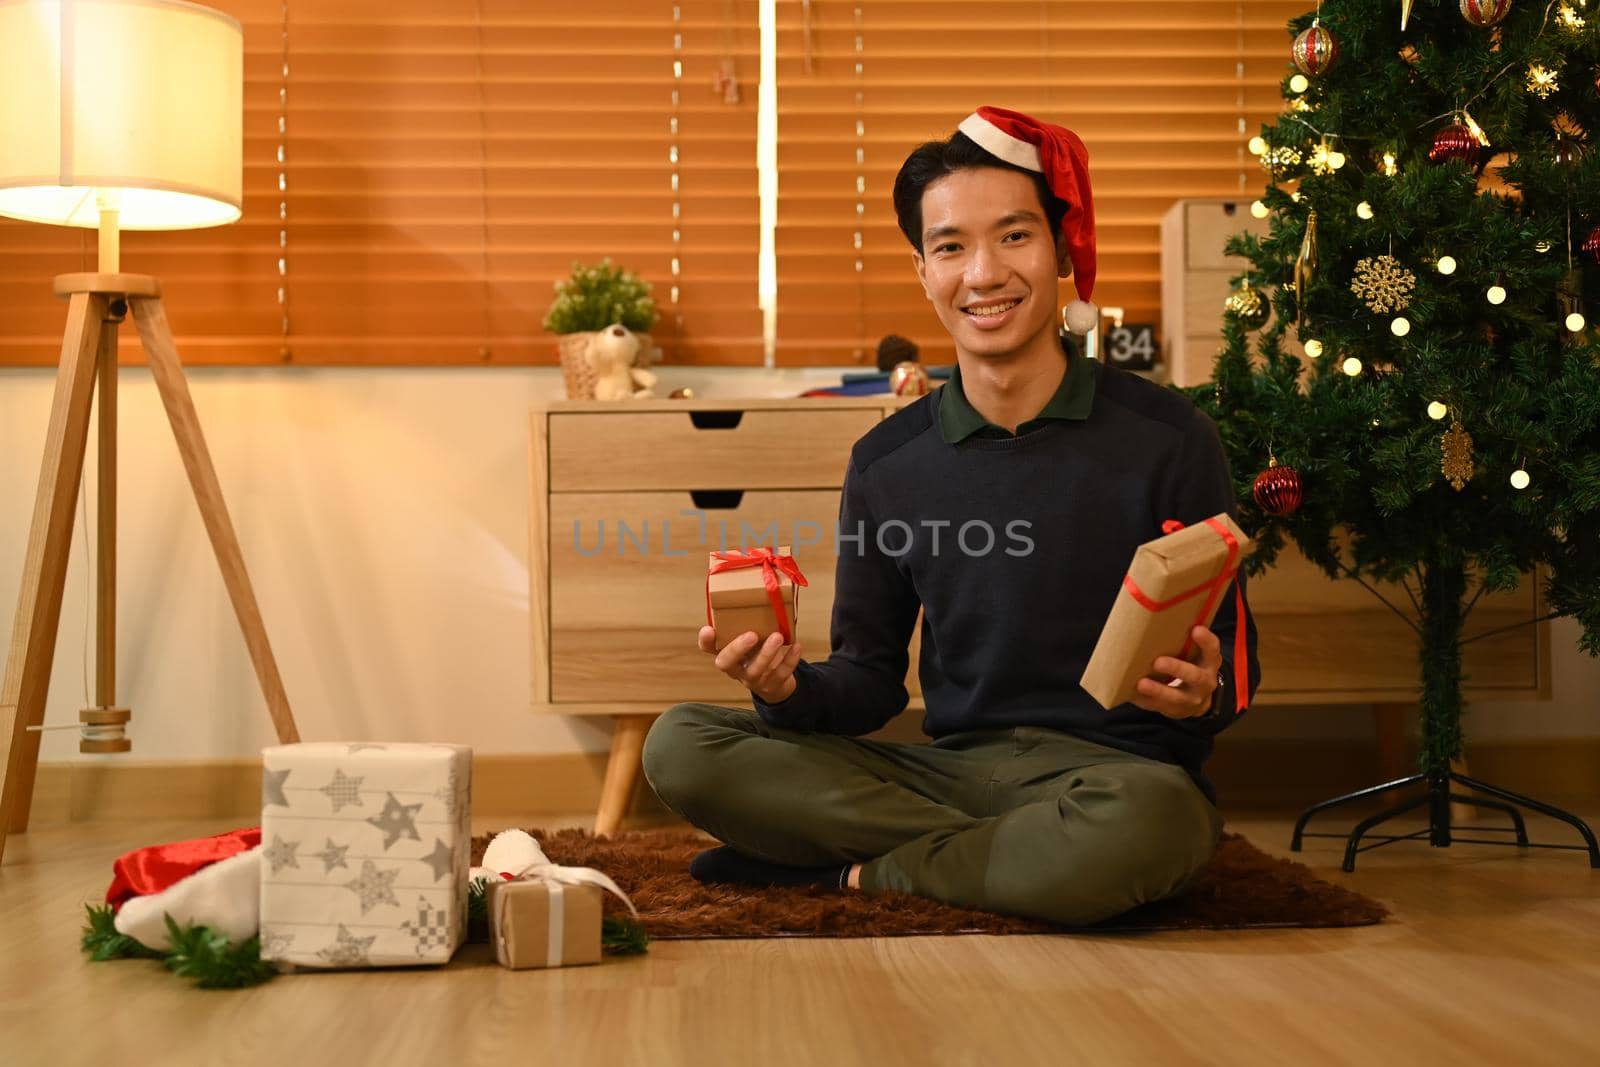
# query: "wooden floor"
[[1492, 957]]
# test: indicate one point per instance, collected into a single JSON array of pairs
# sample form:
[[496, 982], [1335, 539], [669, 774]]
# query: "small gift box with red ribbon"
[[754, 589], [1174, 584]]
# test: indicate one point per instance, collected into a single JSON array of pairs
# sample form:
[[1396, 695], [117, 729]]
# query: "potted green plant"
[[592, 299]]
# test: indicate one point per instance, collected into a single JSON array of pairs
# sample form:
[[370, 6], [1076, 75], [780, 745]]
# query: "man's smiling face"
[[988, 262]]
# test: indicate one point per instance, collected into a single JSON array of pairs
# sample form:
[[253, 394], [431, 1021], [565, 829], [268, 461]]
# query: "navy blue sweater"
[[1006, 633]]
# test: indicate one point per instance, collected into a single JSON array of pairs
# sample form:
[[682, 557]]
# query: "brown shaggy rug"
[[1241, 887]]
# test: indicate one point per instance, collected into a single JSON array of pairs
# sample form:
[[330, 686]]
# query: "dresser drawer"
[[651, 450], [623, 618]]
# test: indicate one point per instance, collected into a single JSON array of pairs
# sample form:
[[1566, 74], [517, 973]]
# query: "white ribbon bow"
[[515, 856]]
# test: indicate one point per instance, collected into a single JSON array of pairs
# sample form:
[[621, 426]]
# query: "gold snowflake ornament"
[[1456, 446], [1383, 283], [1541, 81], [1279, 158]]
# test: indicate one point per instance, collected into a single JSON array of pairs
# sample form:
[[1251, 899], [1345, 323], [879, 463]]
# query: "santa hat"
[[213, 881], [1057, 153]]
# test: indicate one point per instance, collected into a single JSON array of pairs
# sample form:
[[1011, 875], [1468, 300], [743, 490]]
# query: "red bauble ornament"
[[1314, 50], [1277, 489], [1591, 244], [1455, 141], [1485, 12]]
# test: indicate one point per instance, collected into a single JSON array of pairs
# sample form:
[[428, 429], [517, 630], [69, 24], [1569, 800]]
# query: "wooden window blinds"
[[419, 174], [1164, 95], [444, 162]]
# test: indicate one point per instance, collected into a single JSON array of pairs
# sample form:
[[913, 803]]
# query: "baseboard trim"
[[1250, 775]]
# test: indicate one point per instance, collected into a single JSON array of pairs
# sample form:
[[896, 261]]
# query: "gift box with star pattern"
[[364, 853]]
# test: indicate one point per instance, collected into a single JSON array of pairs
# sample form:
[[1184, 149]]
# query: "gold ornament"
[[1305, 267], [1456, 447], [1248, 305], [1569, 19], [1541, 81], [1383, 283], [1279, 158], [1405, 12], [908, 378]]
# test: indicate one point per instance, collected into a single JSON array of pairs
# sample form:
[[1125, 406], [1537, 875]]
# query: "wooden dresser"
[[626, 499]]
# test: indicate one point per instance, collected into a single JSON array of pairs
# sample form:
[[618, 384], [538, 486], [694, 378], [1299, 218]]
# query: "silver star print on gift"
[[364, 857]]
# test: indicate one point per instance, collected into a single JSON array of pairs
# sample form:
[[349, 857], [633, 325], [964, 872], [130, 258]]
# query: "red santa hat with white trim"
[[1058, 154]]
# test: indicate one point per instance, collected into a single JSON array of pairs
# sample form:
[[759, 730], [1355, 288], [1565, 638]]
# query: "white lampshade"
[[138, 99]]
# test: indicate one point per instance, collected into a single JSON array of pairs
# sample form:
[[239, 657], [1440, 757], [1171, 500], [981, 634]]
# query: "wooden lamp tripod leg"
[[44, 574], [151, 319]]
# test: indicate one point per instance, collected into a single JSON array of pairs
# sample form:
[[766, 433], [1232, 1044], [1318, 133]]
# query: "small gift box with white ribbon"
[[753, 589], [1175, 583], [541, 914]]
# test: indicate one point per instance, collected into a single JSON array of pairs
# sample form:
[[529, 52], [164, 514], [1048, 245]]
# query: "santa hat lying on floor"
[[213, 881]]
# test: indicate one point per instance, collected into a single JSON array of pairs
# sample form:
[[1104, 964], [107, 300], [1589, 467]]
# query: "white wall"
[[383, 517]]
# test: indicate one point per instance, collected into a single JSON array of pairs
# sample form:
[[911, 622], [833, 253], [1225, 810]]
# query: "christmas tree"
[[1433, 196]]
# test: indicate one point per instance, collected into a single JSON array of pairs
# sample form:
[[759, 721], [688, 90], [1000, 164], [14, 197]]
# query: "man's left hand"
[[1189, 692]]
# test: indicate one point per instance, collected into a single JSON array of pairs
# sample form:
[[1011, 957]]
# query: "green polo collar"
[[1074, 399]]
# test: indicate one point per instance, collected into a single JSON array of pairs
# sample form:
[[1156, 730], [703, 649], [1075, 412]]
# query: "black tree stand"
[[1442, 619]]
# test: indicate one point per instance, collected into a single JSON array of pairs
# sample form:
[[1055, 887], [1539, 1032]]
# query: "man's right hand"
[[767, 670]]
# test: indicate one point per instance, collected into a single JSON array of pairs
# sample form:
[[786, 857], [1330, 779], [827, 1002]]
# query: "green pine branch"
[[210, 959]]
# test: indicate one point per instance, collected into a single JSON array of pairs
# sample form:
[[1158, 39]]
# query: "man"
[[1031, 799]]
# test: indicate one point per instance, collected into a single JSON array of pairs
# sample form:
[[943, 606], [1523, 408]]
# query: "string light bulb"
[[1437, 411], [1258, 209], [1496, 294], [1336, 159], [1575, 322], [1446, 265], [1542, 246], [1390, 169], [1520, 479], [1352, 366], [1299, 84], [1364, 210], [1400, 326], [1257, 145], [1313, 348]]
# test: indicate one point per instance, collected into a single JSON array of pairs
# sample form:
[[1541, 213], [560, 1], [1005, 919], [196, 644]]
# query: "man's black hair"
[[937, 159]]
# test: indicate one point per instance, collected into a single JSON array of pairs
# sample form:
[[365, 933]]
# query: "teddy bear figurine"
[[611, 353]]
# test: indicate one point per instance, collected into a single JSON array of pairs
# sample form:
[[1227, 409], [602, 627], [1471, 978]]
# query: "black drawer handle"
[[716, 499], [715, 420]]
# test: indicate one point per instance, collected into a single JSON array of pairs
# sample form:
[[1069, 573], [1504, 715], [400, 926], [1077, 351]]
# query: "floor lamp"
[[114, 114]]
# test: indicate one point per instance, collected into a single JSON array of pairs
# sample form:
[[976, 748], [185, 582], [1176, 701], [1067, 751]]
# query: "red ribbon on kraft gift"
[[770, 563], [1213, 589]]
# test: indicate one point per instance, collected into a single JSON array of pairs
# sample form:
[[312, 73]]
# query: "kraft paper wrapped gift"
[[755, 589], [541, 914], [1174, 584], [544, 924], [364, 853]]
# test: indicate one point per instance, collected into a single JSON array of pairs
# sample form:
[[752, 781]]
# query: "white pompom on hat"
[[1058, 154]]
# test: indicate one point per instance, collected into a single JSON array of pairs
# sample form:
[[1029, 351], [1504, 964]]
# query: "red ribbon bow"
[[1213, 590], [770, 563]]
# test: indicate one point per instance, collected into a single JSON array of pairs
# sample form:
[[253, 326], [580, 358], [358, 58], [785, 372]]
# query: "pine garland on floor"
[[213, 961]]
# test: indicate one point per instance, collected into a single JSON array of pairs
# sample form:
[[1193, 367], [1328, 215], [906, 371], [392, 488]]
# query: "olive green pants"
[[1025, 821]]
